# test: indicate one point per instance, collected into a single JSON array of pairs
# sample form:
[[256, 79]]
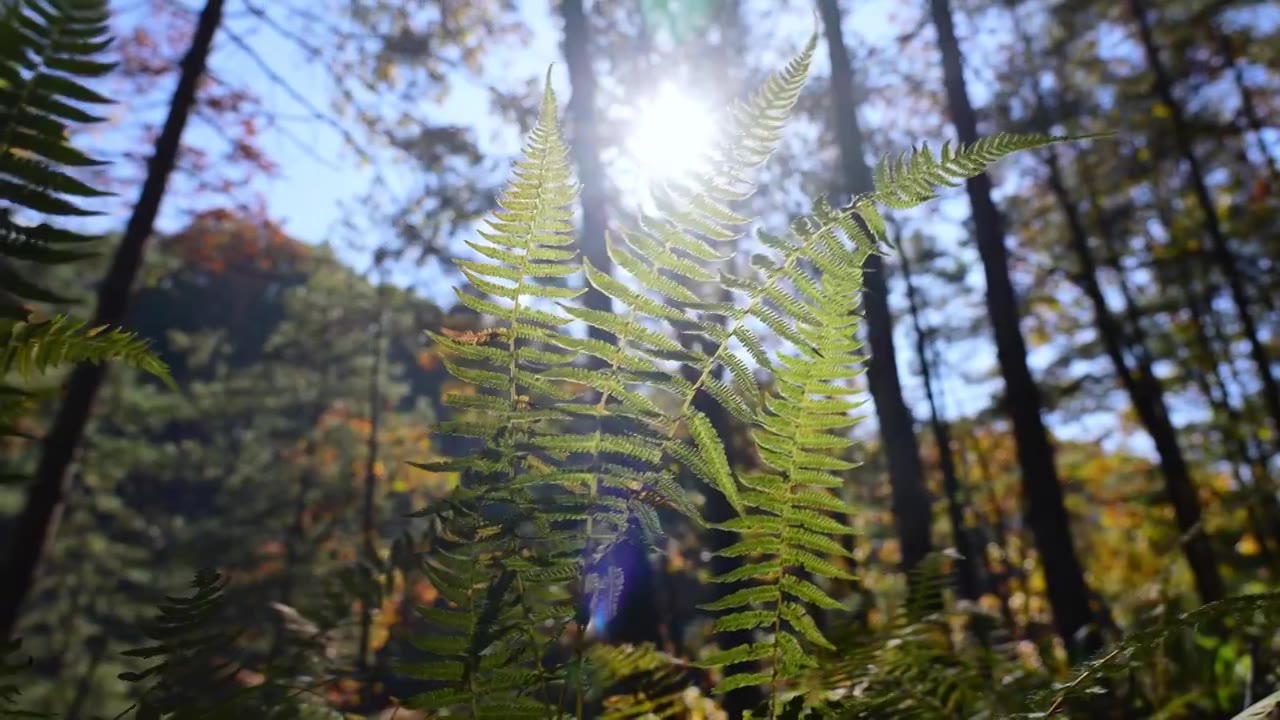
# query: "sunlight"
[[670, 136]]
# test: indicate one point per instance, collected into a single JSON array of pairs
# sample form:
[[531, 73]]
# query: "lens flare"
[[671, 136]]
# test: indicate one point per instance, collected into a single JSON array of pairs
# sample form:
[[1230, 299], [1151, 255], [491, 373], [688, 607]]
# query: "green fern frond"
[[33, 348], [909, 668], [794, 436], [11, 679], [1142, 647], [667, 255], [913, 177], [192, 655], [506, 556], [638, 681], [48, 51]]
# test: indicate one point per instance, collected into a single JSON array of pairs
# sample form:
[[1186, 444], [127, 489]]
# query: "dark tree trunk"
[[636, 620], [585, 147], [371, 474], [912, 507], [1146, 392], [1225, 259], [1206, 370], [37, 524], [1046, 513], [968, 578]]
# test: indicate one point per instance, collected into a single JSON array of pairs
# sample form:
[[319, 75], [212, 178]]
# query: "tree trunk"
[[586, 150], [37, 524], [1146, 392], [1225, 259], [912, 507], [1046, 513], [1207, 372], [371, 474], [968, 578]]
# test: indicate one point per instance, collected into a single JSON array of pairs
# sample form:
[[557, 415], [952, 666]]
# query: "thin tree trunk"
[[912, 506], [586, 150], [1265, 514], [371, 473], [37, 524], [1146, 392], [1042, 492], [969, 580], [1225, 259]]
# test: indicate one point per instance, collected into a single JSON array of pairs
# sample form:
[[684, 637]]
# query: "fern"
[[1141, 648], [506, 553], [194, 670], [575, 455], [913, 178], [638, 681], [590, 486], [911, 667], [30, 348], [48, 51], [10, 675]]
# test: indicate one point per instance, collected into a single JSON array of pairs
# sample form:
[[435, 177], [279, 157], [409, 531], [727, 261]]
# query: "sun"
[[670, 136]]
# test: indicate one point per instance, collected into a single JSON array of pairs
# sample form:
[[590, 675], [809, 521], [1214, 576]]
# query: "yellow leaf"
[[1161, 110], [1248, 546]]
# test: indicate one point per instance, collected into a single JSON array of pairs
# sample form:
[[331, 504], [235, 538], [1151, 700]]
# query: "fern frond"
[[506, 554], [667, 255], [193, 669], [1140, 648], [48, 50], [909, 668], [794, 438], [638, 681], [33, 348], [11, 672], [913, 177]]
